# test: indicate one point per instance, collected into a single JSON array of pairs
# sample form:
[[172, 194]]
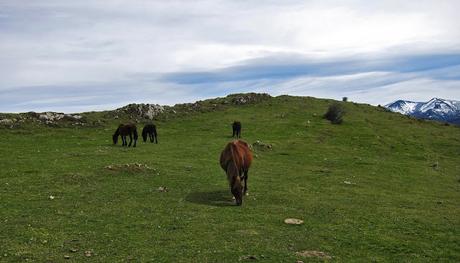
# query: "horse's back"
[[236, 151], [244, 153], [149, 128], [127, 128]]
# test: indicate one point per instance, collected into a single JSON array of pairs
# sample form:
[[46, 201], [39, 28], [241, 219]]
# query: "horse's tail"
[[144, 134], [135, 133]]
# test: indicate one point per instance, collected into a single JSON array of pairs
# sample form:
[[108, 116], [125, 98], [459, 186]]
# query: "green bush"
[[335, 113]]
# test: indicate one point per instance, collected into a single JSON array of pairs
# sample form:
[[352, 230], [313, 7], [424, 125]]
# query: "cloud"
[[292, 66], [82, 52]]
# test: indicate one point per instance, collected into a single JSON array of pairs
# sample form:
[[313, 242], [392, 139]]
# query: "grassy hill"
[[381, 187]]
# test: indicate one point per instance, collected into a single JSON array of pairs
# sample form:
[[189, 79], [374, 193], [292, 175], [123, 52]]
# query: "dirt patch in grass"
[[313, 254]]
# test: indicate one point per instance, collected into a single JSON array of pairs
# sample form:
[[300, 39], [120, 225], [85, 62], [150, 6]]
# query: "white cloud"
[[83, 43]]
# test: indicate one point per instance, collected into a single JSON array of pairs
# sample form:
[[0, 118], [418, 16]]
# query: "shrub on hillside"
[[345, 99], [335, 113]]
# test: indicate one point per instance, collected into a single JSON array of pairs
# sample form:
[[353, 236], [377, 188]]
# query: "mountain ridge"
[[435, 109]]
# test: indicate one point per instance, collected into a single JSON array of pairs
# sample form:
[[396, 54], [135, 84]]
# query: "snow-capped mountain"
[[434, 109]]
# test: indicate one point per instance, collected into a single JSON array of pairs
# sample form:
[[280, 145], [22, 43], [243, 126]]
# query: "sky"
[[74, 56]]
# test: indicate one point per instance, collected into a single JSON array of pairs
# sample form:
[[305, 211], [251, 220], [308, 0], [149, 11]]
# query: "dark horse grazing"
[[236, 125], [126, 130], [151, 131], [236, 159]]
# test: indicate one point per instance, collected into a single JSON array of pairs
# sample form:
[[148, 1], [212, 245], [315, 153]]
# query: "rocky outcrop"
[[153, 111], [146, 111], [7, 121], [48, 118], [135, 112], [53, 117], [248, 98]]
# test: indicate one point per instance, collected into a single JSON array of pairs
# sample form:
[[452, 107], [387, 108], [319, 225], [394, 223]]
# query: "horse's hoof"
[[233, 198]]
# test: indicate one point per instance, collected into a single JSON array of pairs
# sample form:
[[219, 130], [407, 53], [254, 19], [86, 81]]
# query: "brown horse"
[[126, 130], [235, 159], [236, 126]]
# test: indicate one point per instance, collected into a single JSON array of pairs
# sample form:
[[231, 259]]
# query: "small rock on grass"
[[88, 253], [248, 257], [162, 189], [293, 221]]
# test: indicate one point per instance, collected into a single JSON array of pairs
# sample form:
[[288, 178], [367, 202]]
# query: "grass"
[[381, 187]]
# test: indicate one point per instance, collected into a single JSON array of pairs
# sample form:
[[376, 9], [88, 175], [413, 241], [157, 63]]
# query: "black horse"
[[150, 130], [126, 130], [236, 129]]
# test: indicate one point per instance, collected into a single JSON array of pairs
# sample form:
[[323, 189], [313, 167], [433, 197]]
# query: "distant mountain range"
[[434, 109]]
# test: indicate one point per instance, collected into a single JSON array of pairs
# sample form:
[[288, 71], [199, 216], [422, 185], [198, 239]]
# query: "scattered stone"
[[51, 197], [162, 189], [313, 253], [435, 165], [50, 117], [258, 145], [73, 118], [348, 182], [66, 256], [73, 250], [6, 121], [293, 221], [248, 257], [146, 111], [130, 167], [88, 253], [248, 98]]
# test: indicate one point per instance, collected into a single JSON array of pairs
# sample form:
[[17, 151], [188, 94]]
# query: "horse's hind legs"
[[245, 190], [130, 140]]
